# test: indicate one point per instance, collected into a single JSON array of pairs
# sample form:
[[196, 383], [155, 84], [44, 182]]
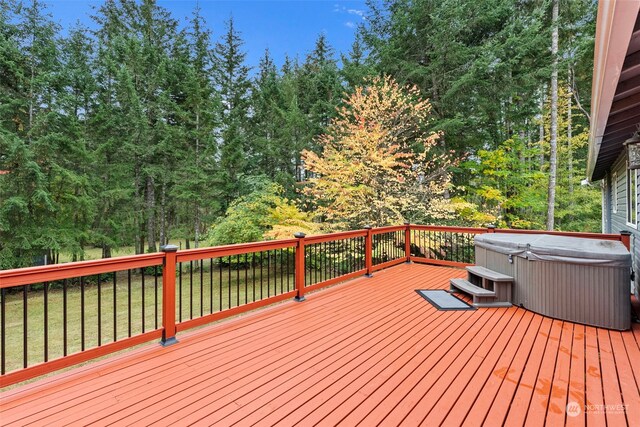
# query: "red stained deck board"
[[332, 408], [231, 371], [442, 398], [493, 407], [488, 379], [593, 378], [576, 377], [408, 392], [367, 351], [543, 388], [352, 338], [610, 384], [556, 408], [628, 385]]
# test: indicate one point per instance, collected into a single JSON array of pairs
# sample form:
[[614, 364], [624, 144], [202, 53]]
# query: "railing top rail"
[[48, 273], [235, 249], [447, 228], [31, 275], [320, 238]]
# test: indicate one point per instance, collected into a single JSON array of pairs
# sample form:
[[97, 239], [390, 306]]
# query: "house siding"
[[618, 219]]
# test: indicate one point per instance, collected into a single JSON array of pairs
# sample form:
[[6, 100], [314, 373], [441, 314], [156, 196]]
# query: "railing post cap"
[[491, 226], [299, 235], [169, 248], [367, 227], [625, 233], [407, 223]]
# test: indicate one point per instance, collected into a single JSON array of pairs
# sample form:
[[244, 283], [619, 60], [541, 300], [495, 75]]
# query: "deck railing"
[[56, 316]]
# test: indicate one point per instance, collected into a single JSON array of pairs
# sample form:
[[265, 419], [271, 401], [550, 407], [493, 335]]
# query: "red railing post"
[[625, 238], [169, 295], [300, 267], [491, 228], [368, 251], [407, 241]]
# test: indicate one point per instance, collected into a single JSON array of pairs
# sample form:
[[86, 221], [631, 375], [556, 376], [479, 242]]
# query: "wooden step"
[[470, 288], [488, 274]]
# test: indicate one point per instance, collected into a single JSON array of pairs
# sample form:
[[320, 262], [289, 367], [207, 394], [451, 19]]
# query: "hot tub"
[[581, 280]]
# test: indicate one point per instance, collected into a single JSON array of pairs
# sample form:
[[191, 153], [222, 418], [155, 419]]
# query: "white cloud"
[[341, 9], [350, 24]]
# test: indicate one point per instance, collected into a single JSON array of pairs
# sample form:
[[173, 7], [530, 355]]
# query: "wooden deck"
[[367, 352]]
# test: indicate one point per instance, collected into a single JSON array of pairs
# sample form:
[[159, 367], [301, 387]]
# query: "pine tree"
[[355, 69], [29, 148], [231, 77], [200, 107], [137, 42]]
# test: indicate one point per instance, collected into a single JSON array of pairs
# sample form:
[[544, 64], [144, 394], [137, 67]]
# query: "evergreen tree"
[[354, 65], [200, 108], [320, 90], [231, 77], [29, 148]]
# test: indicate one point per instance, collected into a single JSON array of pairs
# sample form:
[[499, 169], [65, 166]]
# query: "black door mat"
[[443, 300]]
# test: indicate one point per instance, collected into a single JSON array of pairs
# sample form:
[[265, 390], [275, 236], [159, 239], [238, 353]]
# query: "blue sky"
[[285, 27]]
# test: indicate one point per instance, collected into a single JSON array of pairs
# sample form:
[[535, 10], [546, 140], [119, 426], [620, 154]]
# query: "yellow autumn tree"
[[379, 164]]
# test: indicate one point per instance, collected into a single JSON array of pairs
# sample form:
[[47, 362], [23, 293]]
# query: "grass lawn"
[[96, 253], [213, 293]]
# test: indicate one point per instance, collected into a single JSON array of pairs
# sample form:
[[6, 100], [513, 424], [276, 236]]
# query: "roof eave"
[[610, 51]]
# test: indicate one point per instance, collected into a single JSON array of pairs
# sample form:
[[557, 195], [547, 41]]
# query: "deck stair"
[[487, 287]]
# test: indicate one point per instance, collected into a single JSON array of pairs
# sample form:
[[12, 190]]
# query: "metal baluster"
[[3, 339], [24, 326], [129, 301], [190, 299], [253, 274], [268, 274], [220, 282], [238, 280], [64, 317], [211, 285], [142, 293], [115, 311], [229, 276], [155, 290], [246, 279], [99, 311], [261, 283], [46, 321], [287, 264], [82, 313]]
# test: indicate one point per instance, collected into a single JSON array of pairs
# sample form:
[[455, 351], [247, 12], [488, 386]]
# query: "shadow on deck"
[[368, 351]]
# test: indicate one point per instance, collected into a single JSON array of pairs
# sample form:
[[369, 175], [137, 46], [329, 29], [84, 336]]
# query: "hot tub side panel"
[[597, 296], [494, 261], [498, 262]]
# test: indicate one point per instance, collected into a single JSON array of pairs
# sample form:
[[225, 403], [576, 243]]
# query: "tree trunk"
[[553, 137], [137, 220], [569, 142], [541, 128], [151, 215], [106, 251], [163, 214]]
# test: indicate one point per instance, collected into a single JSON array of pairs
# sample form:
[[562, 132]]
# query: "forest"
[[143, 129]]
